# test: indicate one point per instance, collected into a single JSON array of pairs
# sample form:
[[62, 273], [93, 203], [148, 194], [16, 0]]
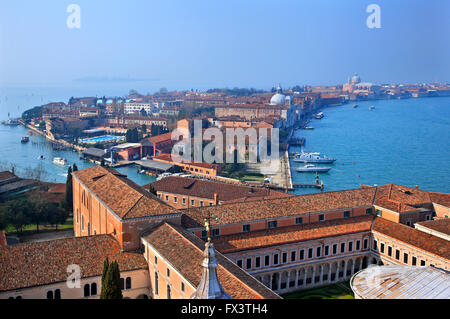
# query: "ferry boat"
[[25, 139], [59, 161], [310, 157], [310, 168], [318, 115]]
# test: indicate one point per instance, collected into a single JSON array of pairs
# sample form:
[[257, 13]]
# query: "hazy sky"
[[203, 44]]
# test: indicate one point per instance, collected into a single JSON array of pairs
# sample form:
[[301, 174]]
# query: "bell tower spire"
[[209, 286]]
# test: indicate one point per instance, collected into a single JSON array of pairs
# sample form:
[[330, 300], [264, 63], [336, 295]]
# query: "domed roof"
[[356, 79], [278, 98]]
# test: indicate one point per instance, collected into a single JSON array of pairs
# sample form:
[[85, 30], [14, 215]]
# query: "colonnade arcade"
[[313, 275]]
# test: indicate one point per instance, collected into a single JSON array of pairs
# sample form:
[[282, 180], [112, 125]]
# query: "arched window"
[[168, 292], [93, 289], [57, 294], [156, 283], [86, 290], [50, 294], [128, 283]]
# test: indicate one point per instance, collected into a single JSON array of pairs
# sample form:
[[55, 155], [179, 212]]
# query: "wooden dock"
[[319, 186]]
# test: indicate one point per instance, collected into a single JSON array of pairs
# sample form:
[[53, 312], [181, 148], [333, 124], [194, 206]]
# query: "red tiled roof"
[[174, 159], [414, 237], [291, 234], [439, 225], [161, 138], [121, 195], [184, 251], [401, 198], [272, 208], [41, 263], [58, 188], [207, 189]]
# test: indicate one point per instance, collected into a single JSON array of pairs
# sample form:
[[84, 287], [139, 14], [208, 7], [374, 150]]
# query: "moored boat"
[[310, 168], [25, 139], [59, 161], [318, 115], [311, 157]]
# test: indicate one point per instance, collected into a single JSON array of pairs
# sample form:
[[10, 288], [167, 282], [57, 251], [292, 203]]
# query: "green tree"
[[39, 213], [69, 190], [18, 212], [111, 283], [152, 190], [74, 168], [56, 215]]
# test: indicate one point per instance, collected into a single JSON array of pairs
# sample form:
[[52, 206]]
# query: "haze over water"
[[401, 141]]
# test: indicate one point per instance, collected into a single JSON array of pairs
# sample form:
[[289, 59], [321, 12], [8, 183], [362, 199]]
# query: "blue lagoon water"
[[405, 142]]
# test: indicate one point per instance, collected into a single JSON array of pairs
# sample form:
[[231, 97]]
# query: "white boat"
[[59, 161], [318, 115], [309, 128], [309, 168], [371, 107], [311, 157]]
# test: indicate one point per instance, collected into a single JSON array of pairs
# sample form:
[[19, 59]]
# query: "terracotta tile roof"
[[414, 237], [57, 188], [3, 241], [292, 234], [440, 198], [6, 175], [125, 198], [184, 251], [173, 159], [207, 189], [280, 207], [41, 263], [161, 138], [439, 225], [401, 198]]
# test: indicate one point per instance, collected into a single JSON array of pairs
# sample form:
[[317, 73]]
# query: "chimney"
[[216, 198]]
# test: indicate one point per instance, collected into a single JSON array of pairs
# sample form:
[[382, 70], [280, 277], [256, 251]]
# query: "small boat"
[[25, 139], [60, 161], [41, 157], [309, 157], [371, 107], [318, 115], [355, 106], [309, 128], [11, 123], [309, 168]]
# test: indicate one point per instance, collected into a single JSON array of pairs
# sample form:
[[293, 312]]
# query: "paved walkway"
[[47, 236]]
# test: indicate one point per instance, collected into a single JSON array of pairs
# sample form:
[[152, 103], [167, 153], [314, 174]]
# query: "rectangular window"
[[299, 220], [327, 250], [273, 224], [175, 199], [257, 262], [168, 272], [248, 263], [397, 254], [167, 198], [216, 232], [266, 260], [368, 211], [346, 214], [182, 286], [375, 245], [204, 234], [318, 251], [405, 258], [358, 245], [293, 255], [382, 248], [334, 249], [422, 262], [192, 202], [414, 261], [310, 253], [321, 217], [275, 259], [302, 254], [183, 201], [201, 203], [389, 251], [366, 243], [350, 246], [342, 247], [246, 228], [379, 213], [284, 258], [156, 260], [239, 263]]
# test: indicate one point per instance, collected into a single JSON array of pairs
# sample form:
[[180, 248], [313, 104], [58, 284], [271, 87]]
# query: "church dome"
[[356, 79], [278, 98]]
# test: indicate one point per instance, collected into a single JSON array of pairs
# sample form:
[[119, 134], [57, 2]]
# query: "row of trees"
[[23, 211]]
